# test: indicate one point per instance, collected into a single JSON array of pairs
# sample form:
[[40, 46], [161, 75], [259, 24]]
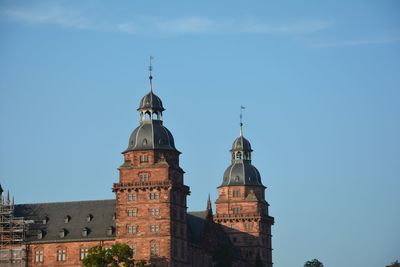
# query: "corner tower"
[[241, 206], [150, 194]]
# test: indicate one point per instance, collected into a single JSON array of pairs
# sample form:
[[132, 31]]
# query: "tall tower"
[[241, 206], [151, 195]]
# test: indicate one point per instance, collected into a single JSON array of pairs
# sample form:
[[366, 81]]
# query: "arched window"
[[238, 155], [39, 255]]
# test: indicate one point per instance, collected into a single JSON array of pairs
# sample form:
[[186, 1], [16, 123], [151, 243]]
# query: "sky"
[[320, 81]]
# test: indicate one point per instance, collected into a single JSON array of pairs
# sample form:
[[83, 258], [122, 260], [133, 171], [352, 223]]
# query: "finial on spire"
[[241, 120], [209, 207], [150, 76]]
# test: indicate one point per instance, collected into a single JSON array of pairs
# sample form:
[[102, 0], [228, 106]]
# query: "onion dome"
[[151, 134], [241, 171], [151, 102], [241, 144]]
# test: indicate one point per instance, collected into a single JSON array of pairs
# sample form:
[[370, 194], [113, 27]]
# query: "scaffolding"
[[12, 231]]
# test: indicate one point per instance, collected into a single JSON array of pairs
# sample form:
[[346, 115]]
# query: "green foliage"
[[117, 255], [313, 263], [223, 256]]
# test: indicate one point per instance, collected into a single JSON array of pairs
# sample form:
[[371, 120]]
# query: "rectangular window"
[[155, 212], [61, 255], [144, 158], [144, 177], [248, 226], [131, 197], [154, 249], [132, 229], [154, 195], [155, 228], [236, 210], [133, 247], [39, 256], [84, 253], [132, 212], [236, 193]]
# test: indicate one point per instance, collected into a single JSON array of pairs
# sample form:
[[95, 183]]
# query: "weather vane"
[[151, 77], [241, 120]]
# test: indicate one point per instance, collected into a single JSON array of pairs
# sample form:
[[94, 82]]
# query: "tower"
[[150, 194], [241, 206]]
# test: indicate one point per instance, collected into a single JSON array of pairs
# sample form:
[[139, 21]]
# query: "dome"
[[241, 173], [151, 101], [151, 136], [241, 144]]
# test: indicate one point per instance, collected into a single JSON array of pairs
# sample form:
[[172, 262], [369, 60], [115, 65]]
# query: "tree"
[[313, 263], [117, 255]]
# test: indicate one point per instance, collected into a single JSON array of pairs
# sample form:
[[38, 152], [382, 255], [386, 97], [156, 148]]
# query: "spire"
[[241, 120], [209, 207], [150, 76], [209, 213]]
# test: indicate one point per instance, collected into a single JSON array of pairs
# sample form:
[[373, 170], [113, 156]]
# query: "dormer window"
[[39, 234], [62, 233], [85, 231], [89, 218], [45, 219], [67, 219], [110, 231]]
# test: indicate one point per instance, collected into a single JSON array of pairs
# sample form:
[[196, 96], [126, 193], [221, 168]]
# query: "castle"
[[149, 212]]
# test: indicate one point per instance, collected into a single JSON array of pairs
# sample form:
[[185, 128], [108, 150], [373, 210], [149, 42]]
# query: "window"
[[248, 226], [61, 254], [153, 195], [67, 219], [154, 249], [85, 232], [133, 247], [84, 253], [144, 177], [89, 217], [155, 228], [110, 231], [132, 197], [62, 233], [132, 229], [39, 234], [144, 158], [236, 210], [39, 256], [238, 155], [155, 212], [236, 193], [132, 212]]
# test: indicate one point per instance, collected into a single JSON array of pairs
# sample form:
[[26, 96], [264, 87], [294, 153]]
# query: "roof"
[[242, 173], [151, 102], [49, 218], [151, 136]]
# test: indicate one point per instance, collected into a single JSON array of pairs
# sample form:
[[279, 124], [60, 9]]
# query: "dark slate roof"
[[241, 144], [241, 173], [195, 221], [102, 212], [151, 135], [151, 102]]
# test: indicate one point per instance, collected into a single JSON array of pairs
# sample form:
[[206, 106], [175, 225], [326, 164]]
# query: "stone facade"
[[149, 212]]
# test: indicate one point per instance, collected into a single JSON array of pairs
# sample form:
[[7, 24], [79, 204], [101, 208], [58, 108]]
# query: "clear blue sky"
[[320, 81]]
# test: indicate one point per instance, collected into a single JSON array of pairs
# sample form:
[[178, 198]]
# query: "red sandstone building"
[[149, 212]]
